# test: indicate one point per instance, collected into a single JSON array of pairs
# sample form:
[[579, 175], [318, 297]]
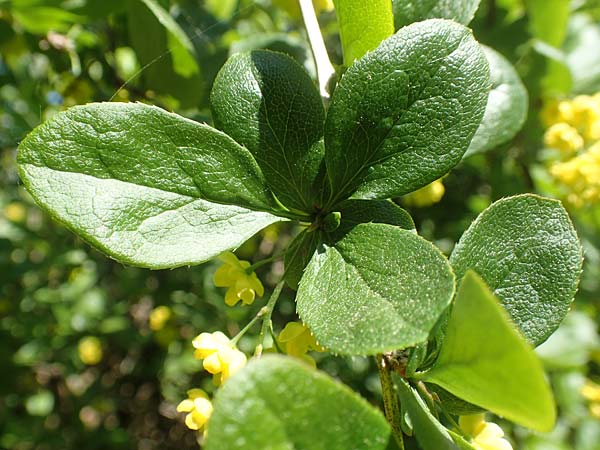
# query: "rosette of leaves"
[[153, 189]]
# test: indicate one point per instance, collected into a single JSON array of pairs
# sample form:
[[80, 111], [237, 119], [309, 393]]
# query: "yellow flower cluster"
[[297, 340], [233, 274], [219, 355], [591, 392], [486, 435], [574, 130], [198, 407], [427, 195]]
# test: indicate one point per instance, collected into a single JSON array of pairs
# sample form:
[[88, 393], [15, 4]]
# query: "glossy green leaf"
[[403, 115], [409, 11], [527, 251], [429, 432], [267, 102], [181, 47], [143, 184], [548, 20], [363, 25], [299, 254], [484, 360], [355, 212], [507, 105], [279, 403], [377, 288]]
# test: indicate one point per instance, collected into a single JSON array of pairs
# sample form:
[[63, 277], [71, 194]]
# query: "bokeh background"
[[96, 355]]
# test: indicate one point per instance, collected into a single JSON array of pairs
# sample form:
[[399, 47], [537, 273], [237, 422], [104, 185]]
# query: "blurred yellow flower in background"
[[90, 350], [159, 316], [486, 435], [427, 195]]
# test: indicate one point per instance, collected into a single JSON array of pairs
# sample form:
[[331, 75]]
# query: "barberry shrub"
[[153, 189]]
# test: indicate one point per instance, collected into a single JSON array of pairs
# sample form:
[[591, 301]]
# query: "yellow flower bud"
[[198, 407], [563, 137], [486, 435], [427, 195], [90, 350], [242, 285]]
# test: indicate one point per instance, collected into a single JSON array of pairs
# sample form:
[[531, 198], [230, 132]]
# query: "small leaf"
[[581, 44], [429, 432], [143, 184], [281, 404], [181, 47], [377, 288], [485, 361], [526, 250], [299, 254], [548, 20], [409, 11], [355, 212], [267, 102], [403, 115], [506, 109], [363, 25]]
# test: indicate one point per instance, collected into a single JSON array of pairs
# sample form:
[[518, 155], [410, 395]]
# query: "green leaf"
[[355, 212], [143, 184], [409, 11], [363, 25], [403, 115], [506, 109], [548, 20], [299, 254], [377, 288], [484, 360], [281, 404], [429, 432], [42, 19], [267, 102], [581, 48], [528, 253], [558, 78], [181, 47]]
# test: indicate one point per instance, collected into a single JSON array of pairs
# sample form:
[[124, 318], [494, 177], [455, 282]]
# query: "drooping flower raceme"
[[486, 435], [242, 285], [219, 355], [199, 408]]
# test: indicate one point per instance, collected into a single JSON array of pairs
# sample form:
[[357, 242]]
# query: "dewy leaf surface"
[[142, 184], [403, 115], [507, 105], [363, 25], [526, 250], [267, 102], [277, 403], [485, 361], [378, 288], [409, 11]]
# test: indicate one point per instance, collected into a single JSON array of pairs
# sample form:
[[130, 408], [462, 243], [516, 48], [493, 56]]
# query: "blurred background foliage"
[[95, 355]]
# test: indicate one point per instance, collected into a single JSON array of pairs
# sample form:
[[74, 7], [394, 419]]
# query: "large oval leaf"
[[267, 102], [403, 115], [378, 288], [409, 11], [143, 184], [527, 251], [281, 404], [507, 105]]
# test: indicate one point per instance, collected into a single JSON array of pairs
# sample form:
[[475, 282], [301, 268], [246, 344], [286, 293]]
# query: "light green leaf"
[[377, 288], [267, 102], [506, 109], [581, 49], [528, 253], [143, 184], [363, 25], [278, 403], [42, 19], [558, 78], [181, 47], [429, 432], [548, 20], [409, 11], [485, 361], [221, 9], [403, 115]]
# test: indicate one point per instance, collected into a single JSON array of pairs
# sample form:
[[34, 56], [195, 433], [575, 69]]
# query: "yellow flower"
[[486, 435], [220, 357], [15, 212], [90, 350], [591, 392], [198, 407], [293, 9], [159, 317], [427, 195], [242, 285], [581, 176], [555, 111], [586, 115], [297, 340], [563, 137]]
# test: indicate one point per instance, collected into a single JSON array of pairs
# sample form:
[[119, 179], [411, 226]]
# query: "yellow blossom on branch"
[[297, 340], [563, 137], [486, 435], [242, 285], [581, 176], [198, 407], [219, 355]]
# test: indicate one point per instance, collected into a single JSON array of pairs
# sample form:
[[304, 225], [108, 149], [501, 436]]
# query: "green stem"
[[262, 262], [325, 69], [391, 405], [243, 331], [267, 318]]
